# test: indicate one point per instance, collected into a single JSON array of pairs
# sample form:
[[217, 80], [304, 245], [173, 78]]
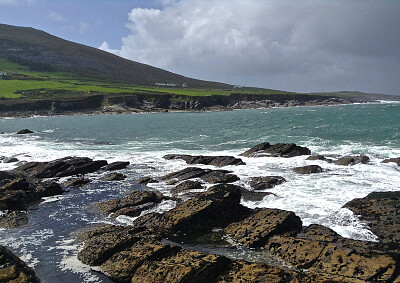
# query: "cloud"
[[56, 17], [83, 27], [305, 46]]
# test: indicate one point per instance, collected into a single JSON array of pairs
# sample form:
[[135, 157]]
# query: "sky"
[[293, 45]]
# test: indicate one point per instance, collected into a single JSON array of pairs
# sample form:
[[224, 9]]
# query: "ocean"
[[48, 243]]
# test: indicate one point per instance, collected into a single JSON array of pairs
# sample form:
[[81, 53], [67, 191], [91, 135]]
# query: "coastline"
[[121, 107]]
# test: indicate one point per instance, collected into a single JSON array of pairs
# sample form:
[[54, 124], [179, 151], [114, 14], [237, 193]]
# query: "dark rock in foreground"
[[216, 207], [255, 230], [394, 160], [218, 161], [131, 205], [381, 210], [262, 183], [117, 165], [24, 131], [309, 169], [12, 269], [322, 251], [276, 150], [316, 157]]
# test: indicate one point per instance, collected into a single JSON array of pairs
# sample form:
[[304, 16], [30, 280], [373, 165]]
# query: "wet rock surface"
[[263, 183], [24, 131], [186, 186], [77, 182], [352, 160], [117, 165], [207, 175], [255, 230], [219, 161], [321, 251], [381, 210], [12, 269], [138, 253], [394, 160], [279, 149], [309, 169], [131, 205], [114, 177]]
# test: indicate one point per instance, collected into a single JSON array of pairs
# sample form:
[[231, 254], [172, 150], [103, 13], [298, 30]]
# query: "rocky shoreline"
[[145, 103], [158, 247]]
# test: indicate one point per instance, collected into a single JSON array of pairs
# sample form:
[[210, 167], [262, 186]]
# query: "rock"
[[114, 177], [207, 175], [63, 167], [131, 205], [278, 150], [186, 174], [219, 176], [241, 271], [118, 165], [48, 189], [10, 160], [122, 265], [186, 186], [185, 266], [346, 161], [24, 131], [394, 160], [13, 219], [217, 207], [331, 255], [253, 195], [104, 242], [316, 157], [77, 182], [218, 161], [263, 183], [17, 194], [255, 230], [309, 169], [12, 269], [146, 180], [381, 211]]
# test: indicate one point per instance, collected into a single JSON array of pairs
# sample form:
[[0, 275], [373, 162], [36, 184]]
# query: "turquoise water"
[[335, 131]]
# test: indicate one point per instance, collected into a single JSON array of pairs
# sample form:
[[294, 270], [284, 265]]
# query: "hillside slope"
[[41, 51]]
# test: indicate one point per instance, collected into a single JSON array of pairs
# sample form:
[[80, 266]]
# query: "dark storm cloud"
[[292, 45]]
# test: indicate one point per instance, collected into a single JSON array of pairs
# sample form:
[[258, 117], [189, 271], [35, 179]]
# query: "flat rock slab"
[[255, 230], [131, 205], [276, 150], [330, 254], [185, 266], [268, 182], [117, 165], [114, 177], [207, 175], [219, 161], [216, 207], [12, 269], [186, 186], [62, 167], [77, 182], [381, 210], [352, 160]]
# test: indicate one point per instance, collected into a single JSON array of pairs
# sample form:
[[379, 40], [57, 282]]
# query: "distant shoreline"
[[192, 105]]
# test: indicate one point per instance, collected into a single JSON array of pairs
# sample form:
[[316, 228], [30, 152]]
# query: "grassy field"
[[41, 84]]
